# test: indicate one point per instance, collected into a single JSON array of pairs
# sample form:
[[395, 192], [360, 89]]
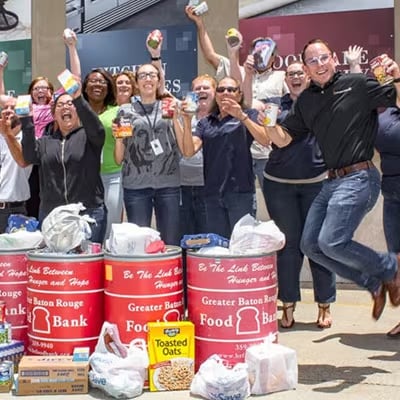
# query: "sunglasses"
[[229, 89]]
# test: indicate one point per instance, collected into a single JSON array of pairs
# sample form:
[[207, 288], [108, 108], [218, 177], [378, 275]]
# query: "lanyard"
[[151, 125]]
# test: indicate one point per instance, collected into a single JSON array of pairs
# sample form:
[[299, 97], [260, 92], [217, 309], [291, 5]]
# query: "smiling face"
[[41, 92], [148, 81], [65, 114], [96, 87], [296, 79], [227, 88], [319, 63], [205, 89], [124, 85]]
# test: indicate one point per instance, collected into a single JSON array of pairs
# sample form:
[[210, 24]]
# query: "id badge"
[[156, 146]]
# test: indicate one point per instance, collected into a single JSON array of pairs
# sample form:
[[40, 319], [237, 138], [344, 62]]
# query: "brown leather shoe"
[[393, 286], [379, 298]]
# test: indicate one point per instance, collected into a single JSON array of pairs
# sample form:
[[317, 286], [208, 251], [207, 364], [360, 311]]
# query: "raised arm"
[[353, 57], [2, 85], [206, 46], [155, 54], [71, 40]]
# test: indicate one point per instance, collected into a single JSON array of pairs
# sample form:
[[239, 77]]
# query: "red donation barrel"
[[141, 289], [65, 301], [13, 284], [232, 303]]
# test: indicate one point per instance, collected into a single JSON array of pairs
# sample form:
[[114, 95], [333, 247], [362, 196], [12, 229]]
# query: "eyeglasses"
[[229, 89], [97, 81], [61, 104], [321, 59], [144, 75], [293, 74], [38, 88]]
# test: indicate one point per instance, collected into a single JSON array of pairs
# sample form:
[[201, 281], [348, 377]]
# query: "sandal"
[[287, 315], [324, 316]]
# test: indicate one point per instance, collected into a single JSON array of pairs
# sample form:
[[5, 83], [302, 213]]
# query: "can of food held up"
[[3, 58], [167, 108], [379, 71], [233, 37], [154, 39], [192, 102]]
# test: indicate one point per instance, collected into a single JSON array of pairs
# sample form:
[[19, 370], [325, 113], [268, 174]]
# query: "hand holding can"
[[379, 70], [270, 114]]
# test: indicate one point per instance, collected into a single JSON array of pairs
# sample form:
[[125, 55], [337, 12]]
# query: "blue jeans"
[[332, 220], [112, 199], [139, 205], [223, 211], [288, 205], [192, 210], [391, 211]]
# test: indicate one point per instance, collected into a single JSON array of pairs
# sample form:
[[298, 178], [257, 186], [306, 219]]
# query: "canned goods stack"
[[6, 378], [5, 327]]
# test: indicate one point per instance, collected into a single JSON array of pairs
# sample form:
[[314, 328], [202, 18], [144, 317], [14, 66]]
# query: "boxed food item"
[[52, 375], [272, 368], [12, 352], [171, 355]]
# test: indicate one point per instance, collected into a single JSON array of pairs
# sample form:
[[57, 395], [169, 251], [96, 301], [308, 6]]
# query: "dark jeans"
[[6, 212], [391, 212], [192, 210], [99, 214], [288, 205], [139, 205], [223, 211], [334, 216]]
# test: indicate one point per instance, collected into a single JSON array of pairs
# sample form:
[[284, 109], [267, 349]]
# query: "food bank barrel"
[[65, 301], [232, 303], [13, 284], [141, 289]]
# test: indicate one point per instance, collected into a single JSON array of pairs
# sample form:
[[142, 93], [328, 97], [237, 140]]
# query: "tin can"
[[3, 58], [379, 71], [69, 35], [201, 9], [5, 332], [233, 37], [94, 248], [10, 366], [262, 53], [167, 108], [270, 114], [193, 3], [154, 39], [192, 102], [124, 128], [3, 308], [5, 378]]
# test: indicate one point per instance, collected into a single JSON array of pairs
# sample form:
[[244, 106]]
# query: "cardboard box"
[[46, 388], [171, 355], [52, 369]]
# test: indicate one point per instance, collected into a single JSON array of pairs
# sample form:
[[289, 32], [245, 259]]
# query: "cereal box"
[[171, 355]]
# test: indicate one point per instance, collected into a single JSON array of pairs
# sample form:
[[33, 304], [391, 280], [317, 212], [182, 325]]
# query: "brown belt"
[[340, 172]]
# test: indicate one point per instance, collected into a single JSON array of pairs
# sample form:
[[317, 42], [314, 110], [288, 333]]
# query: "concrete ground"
[[353, 359]]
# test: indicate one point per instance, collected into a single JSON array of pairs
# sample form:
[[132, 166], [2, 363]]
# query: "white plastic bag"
[[120, 377], [255, 237], [127, 238], [64, 229], [216, 381], [272, 367], [21, 240]]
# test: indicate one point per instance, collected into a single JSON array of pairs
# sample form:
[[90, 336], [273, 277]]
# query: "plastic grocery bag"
[[119, 376], [214, 380], [255, 237], [272, 367], [21, 240], [64, 229]]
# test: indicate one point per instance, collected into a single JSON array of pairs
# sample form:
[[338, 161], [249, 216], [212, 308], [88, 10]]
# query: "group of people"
[[196, 171]]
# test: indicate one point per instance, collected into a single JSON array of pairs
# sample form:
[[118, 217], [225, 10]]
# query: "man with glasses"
[[341, 111]]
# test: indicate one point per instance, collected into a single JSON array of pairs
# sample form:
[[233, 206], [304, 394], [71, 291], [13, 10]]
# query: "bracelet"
[[397, 80], [244, 119], [155, 58]]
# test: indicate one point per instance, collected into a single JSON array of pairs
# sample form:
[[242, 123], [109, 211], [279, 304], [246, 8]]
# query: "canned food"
[[202, 8], [3, 58], [5, 332], [5, 378], [270, 114], [154, 39], [233, 37], [193, 3], [379, 71], [2, 311], [262, 53], [192, 102], [167, 108], [94, 248], [69, 35], [10, 366], [124, 128]]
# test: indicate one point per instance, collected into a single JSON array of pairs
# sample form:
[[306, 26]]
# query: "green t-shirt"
[[108, 164]]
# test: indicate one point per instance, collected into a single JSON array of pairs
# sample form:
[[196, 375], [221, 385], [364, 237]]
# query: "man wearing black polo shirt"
[[340, 110]]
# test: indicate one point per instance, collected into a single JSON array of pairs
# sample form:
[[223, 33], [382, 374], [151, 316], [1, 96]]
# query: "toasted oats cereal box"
[[171, 355]]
